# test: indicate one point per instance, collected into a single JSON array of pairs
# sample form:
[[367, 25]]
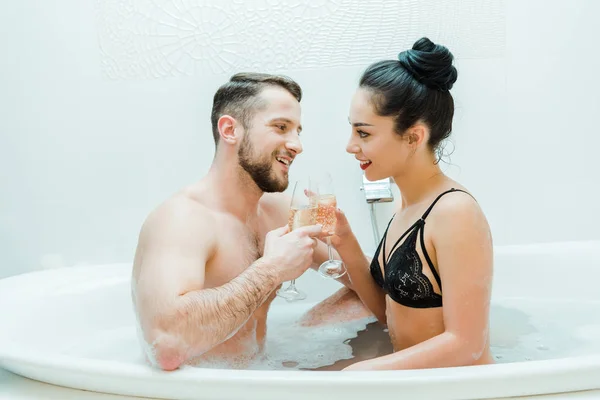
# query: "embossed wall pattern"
[[164, 38]]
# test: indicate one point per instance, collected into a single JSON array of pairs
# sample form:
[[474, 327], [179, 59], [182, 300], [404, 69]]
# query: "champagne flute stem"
[[329, 252]]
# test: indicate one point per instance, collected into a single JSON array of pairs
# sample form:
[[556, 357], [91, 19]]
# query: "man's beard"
[[261, 171]]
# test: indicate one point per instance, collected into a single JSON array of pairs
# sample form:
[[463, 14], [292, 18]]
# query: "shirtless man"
[[210, 258]]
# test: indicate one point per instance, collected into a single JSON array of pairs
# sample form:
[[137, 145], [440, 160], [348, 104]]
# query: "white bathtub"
[[545, 301]]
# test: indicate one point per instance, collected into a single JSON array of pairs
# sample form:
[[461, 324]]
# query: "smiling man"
[[210, 258]]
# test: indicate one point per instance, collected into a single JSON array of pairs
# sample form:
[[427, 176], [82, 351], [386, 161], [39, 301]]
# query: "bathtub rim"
[[15, 357]]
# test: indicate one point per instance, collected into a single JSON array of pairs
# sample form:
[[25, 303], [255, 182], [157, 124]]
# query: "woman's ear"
[[417, 134]]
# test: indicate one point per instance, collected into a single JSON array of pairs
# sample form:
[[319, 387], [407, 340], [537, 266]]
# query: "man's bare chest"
[[236, 251]]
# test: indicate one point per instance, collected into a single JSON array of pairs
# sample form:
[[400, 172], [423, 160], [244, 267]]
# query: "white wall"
[[105, 109]]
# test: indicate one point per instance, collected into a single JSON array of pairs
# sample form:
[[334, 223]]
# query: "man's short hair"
[[240, 97]]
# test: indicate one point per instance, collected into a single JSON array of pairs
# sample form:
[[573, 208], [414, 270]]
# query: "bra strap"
[[439, 197]]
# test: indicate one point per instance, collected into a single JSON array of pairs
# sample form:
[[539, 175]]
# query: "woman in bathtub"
[[430, 278]]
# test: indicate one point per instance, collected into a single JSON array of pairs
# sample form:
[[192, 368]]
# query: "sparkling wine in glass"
[[303, 212], [326, 207]]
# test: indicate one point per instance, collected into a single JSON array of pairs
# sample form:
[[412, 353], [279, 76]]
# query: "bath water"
[[521, 330]]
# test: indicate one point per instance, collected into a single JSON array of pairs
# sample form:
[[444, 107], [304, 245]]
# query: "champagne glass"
[[303, 212], [326, 207]]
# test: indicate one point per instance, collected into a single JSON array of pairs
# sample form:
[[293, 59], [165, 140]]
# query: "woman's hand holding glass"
[[327, 217]]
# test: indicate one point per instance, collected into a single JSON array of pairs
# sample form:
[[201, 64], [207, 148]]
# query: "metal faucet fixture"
[[379, 191]]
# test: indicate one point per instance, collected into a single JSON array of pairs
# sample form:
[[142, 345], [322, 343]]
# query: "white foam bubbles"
[[291, 346]]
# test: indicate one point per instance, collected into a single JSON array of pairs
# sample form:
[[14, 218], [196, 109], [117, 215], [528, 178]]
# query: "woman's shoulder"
[[457, 210]]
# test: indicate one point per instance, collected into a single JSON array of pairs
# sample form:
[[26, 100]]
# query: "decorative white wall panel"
[[163, 38]]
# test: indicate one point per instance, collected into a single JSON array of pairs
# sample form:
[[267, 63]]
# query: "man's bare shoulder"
[[277, 205], [181, 217], [276, 200]]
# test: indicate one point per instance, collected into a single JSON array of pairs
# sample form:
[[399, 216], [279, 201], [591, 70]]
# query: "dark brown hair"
[[240, 97]]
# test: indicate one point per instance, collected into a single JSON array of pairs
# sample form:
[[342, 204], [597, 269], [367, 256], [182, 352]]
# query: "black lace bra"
[[404, 280]]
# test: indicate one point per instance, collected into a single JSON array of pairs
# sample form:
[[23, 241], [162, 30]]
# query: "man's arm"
[[180, 318], [202, 319]]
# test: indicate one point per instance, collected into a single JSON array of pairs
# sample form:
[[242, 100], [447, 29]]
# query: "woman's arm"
[[357, 264], [463, 247]]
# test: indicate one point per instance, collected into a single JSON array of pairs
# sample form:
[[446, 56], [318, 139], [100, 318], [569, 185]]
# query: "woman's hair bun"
[[430, 64]]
